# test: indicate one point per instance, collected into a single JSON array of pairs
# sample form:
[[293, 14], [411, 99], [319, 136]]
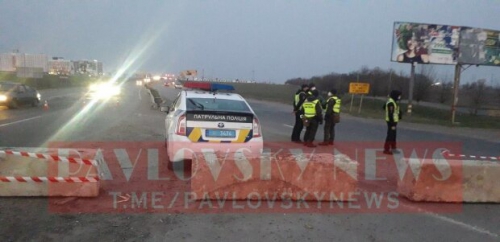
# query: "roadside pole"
[[352, 93], [360, 103], [456, 87], [352, 99], [412, 82], [360, 89]]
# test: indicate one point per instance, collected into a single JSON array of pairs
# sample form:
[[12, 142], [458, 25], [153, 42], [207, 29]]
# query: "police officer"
[[332, 115], [314, 91], [392, 116], [300, 97], [312, 111]]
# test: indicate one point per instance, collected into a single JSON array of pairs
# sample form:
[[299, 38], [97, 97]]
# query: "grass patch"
[[372, 108], [266, 92], [275, 93]]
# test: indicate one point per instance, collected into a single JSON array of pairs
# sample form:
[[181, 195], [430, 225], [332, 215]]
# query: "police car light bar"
[[207, 86]]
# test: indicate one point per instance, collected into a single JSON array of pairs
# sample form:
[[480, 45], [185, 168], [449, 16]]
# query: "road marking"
[[19, 121], [140, 97], [450, 220], [290, 126], [455, 222], [475, 157]]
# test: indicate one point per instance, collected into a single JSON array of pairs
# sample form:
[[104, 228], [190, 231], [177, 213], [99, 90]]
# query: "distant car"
[[203, 118], [177, 85], [14, 95], [103, 92]]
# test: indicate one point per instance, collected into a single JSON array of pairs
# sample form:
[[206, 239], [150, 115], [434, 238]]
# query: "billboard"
[[189, 73], [425, 43], [479, 47]]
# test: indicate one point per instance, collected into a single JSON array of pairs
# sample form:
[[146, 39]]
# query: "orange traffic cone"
[[46, 105]]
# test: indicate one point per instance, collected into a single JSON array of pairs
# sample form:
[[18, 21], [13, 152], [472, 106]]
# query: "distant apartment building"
[[92, 68], [60, 66], [12, 61], [8, 62]]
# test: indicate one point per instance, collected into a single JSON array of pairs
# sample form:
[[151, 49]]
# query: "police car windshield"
[[214, 104]]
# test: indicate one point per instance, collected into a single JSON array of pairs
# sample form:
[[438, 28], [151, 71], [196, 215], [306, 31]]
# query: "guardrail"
[[156, 100]]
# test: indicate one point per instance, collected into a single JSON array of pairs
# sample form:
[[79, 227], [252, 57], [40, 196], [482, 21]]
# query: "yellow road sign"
[[359, 88]]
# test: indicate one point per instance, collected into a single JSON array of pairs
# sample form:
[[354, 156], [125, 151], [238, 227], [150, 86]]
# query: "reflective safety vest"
[[310, 108], [336, 106], [395, 114], [297, 97]]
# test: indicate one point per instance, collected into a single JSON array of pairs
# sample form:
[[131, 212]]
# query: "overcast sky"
[[275, 40]]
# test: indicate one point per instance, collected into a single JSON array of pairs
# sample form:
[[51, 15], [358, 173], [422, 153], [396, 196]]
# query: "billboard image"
[[479, 47], [425, 43]]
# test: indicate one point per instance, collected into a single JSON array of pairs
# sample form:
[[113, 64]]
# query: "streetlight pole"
[[412, 82]]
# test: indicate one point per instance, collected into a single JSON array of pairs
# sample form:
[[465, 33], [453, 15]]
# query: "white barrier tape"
[[48, 179], [50, 157], [474, 157]]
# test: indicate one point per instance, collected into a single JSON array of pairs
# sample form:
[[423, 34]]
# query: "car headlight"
[[116, 91], [38, 96], [3, 98]]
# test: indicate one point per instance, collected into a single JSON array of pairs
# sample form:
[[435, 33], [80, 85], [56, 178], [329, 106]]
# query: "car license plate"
[[218, 133]]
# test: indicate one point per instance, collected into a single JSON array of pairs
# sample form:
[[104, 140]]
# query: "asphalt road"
[[133, 120]]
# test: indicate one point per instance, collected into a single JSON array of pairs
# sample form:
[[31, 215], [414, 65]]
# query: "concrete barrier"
[[156, 100], [324, 177], [22, 175], [452, 181]]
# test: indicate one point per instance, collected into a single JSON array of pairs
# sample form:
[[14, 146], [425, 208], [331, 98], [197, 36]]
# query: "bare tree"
[[445, 91], [497, 91], [423, 82], [477, 95]]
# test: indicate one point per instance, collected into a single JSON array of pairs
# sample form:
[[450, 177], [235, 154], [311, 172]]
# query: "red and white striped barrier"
[[476, 157], [47, 179], [26, 171], [50, 157]]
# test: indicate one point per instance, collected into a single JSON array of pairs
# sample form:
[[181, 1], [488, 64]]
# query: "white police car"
[[203, 118]]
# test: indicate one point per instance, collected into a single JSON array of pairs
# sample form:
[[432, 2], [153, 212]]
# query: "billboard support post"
[[412, 82], [456, 87], [352, 99]]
